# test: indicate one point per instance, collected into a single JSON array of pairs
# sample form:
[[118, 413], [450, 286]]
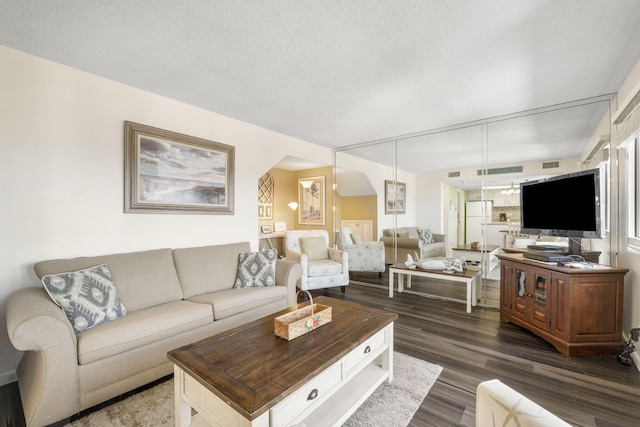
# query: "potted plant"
[[629, 346]]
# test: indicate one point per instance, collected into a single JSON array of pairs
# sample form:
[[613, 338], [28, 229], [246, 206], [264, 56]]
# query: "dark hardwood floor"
[[584, 391]]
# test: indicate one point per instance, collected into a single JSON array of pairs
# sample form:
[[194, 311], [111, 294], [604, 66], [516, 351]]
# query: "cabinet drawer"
[[310, 394], [365, 352]]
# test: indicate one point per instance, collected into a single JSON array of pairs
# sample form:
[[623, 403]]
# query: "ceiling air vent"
[[454, 174], [550, 165], [498, 171]]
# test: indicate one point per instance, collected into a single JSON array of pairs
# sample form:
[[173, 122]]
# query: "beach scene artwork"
[[175, 173]]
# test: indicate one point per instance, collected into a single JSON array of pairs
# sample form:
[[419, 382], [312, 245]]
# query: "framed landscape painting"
[[312, 201], [168, 172], [395, 197]]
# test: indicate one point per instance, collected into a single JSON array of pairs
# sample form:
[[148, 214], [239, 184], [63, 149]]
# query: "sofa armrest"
[[438, 237], [287, 274], [48, 371]]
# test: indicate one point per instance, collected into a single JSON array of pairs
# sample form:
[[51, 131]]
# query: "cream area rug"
[[390, 405]]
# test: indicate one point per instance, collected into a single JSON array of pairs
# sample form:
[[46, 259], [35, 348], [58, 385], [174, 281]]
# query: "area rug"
[[390, 405]]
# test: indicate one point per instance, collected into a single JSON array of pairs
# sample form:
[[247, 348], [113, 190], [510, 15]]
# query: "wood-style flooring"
[[584, 391]]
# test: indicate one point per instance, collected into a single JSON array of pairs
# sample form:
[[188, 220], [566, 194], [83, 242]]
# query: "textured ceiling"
[[337, 72]]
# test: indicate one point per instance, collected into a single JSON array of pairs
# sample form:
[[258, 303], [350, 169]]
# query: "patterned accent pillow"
[[256, 269], [88, 297], [425, 236], [314, 247], [357, 239]]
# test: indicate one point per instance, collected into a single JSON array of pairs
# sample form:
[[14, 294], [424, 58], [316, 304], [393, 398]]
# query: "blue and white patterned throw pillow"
[[88, 297], [256, 269], [425, 236]]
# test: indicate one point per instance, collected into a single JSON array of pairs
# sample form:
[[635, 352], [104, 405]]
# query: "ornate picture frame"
[[312, 201], [168, 172], [395, 197]]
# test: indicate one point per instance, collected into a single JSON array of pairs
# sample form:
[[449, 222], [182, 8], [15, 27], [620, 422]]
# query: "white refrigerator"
[[475, 219]]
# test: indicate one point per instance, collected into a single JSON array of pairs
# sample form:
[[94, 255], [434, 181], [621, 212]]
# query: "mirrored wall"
[[461, 183]]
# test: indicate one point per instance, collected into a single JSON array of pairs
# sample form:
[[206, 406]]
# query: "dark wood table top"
[[252, 369], [597, 269], [467, 247]]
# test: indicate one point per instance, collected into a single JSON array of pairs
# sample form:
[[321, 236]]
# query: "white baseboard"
[[8, 378]]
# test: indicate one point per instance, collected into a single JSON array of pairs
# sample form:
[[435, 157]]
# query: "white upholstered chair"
[[501, 406], [322, 266], [363, 256]]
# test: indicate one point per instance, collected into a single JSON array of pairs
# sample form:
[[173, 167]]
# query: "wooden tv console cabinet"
[[579, 311]]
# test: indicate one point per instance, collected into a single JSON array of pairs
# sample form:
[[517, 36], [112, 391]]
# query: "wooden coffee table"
[[485, 255], [249, 377]]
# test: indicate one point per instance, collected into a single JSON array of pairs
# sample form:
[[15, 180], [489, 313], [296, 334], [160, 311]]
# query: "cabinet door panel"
[[521, 289], [507, 279], [540, 305], [560, 305], [591, 314]]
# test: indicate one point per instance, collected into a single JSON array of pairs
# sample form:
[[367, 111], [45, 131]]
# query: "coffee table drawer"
[[312, 393], [364, 352]]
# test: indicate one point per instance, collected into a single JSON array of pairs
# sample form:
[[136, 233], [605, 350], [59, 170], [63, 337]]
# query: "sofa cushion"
[[413, 232], [143, 279], [323, 267], [208, 268], [140, 328], [88, 297], [314, 247], [256, 269], [233, 301], [425, 236]]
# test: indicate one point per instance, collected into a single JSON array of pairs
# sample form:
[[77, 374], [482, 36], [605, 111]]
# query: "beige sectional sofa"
[[407, 241], [172, 298]]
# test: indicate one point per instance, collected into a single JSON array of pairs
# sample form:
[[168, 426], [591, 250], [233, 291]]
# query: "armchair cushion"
[[256, 269], [88, 297], [323, 267], [356, 238], [346, 237], [314, 247]]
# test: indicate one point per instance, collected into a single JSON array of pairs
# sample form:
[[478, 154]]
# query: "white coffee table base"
[[469, 280]]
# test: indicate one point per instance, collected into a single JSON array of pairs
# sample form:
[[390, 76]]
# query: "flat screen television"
[[565, 205]]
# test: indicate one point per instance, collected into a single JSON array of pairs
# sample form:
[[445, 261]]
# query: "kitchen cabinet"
[[501, 199]]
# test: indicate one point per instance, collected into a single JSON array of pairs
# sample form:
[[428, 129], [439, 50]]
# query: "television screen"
[[566, 205]]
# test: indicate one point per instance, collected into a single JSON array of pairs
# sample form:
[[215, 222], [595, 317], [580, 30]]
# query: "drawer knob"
[[367, 349], [313, 394]]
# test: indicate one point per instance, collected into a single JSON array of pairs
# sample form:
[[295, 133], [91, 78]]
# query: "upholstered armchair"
[[322, 266], [363, 256], [499, 405]]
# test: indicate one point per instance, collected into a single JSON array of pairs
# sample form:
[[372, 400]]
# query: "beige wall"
[[360, 208], [63, 179]]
